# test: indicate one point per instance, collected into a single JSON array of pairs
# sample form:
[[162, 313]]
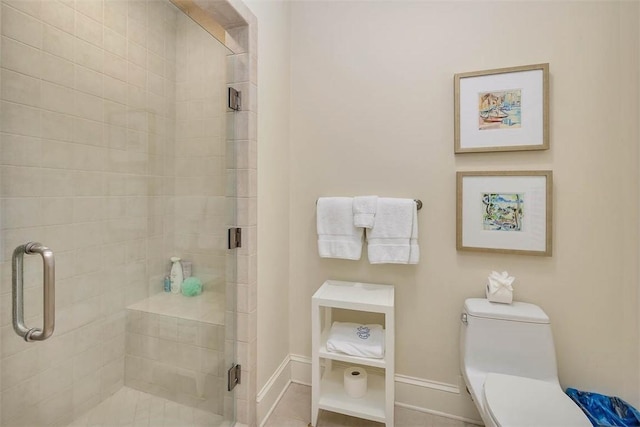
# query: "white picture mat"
[[533, 234], [530, 132]]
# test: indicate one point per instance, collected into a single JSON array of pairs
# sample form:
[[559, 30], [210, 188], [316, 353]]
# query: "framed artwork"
[[505, 211], [506, 109]]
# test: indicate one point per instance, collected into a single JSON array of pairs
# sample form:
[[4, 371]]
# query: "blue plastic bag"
[[605, 411]]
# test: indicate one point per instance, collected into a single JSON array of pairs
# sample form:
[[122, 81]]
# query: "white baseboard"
[[441, 414], [418, 394], [436, 398], [300, 369], [269, 396]]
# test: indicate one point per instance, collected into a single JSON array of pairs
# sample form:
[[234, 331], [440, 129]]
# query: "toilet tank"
[[513, 339]]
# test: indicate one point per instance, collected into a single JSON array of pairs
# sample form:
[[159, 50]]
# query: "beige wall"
[[372, 113], [273, 185]]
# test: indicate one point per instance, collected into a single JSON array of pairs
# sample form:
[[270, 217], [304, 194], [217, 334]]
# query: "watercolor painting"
[[502, 211], [499, 109]]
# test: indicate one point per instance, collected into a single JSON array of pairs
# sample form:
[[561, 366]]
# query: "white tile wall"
[[74, 177], [199, 221], [182, 360], [89, 118]]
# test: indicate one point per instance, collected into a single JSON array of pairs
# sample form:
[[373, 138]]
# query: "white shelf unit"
[[328, 389]]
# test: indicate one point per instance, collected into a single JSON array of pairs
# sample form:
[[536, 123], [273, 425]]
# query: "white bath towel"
[[364, 211], [414, 255], [337, 236], [394, 236], [356, 340]]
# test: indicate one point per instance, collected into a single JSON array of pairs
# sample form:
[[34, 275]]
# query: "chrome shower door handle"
[[49, 291]]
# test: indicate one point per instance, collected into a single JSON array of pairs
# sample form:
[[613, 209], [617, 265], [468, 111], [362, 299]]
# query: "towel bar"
[[418, 203]]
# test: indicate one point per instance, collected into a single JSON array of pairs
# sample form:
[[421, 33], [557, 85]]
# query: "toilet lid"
[[517, 401]]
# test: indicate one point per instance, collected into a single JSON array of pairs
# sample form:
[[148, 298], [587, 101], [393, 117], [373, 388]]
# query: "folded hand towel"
[[356, 340], [364, 211], [337, 236], [394, 236]]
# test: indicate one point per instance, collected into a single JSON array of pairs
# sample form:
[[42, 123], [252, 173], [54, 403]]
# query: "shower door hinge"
[[235, 237], [233, 376], [235, 98]]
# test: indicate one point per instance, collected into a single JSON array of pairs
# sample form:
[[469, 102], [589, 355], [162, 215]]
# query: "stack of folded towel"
[[356, 340], [392, 229]]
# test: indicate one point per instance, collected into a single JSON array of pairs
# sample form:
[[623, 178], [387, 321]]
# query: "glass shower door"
[[113, 157]]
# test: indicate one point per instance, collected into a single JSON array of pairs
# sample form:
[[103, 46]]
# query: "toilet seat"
[[517, 401]]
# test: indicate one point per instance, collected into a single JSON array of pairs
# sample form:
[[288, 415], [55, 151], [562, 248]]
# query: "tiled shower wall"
[[179, 359], [82, 86], [87, 92], [241, 267], [171, 354], [199, 205]]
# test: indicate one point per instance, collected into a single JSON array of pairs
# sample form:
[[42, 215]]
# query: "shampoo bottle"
[[176, 275]]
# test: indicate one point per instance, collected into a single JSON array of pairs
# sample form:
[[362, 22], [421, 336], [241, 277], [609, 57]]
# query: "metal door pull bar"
[[49, 291]]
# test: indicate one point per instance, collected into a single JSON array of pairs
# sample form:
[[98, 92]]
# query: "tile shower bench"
[[175, 348]]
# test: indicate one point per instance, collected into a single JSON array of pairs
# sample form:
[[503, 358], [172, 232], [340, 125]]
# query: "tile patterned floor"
[[133, 408], [294, 410]]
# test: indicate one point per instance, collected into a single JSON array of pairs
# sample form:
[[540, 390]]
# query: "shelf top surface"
[[356, 293]]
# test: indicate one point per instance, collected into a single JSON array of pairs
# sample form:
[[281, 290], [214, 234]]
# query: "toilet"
[[508, 362]]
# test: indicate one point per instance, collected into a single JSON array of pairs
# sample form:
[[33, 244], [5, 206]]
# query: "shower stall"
[[117, 152]]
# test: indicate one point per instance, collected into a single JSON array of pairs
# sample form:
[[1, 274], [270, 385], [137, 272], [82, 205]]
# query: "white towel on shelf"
[[364, 211], [356, 340], [394, 236], [337, 236]]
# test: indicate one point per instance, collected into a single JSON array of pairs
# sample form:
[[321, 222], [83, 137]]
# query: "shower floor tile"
[[133, 408]]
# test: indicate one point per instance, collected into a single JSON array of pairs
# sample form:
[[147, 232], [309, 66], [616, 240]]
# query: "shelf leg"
[[389, 376], [315, 365]]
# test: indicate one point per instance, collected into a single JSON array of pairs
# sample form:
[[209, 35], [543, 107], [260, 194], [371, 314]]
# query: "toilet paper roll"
[[355, 382]]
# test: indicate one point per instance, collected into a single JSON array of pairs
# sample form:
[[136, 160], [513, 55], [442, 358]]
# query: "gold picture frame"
[[505, 211], [505, 109]]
